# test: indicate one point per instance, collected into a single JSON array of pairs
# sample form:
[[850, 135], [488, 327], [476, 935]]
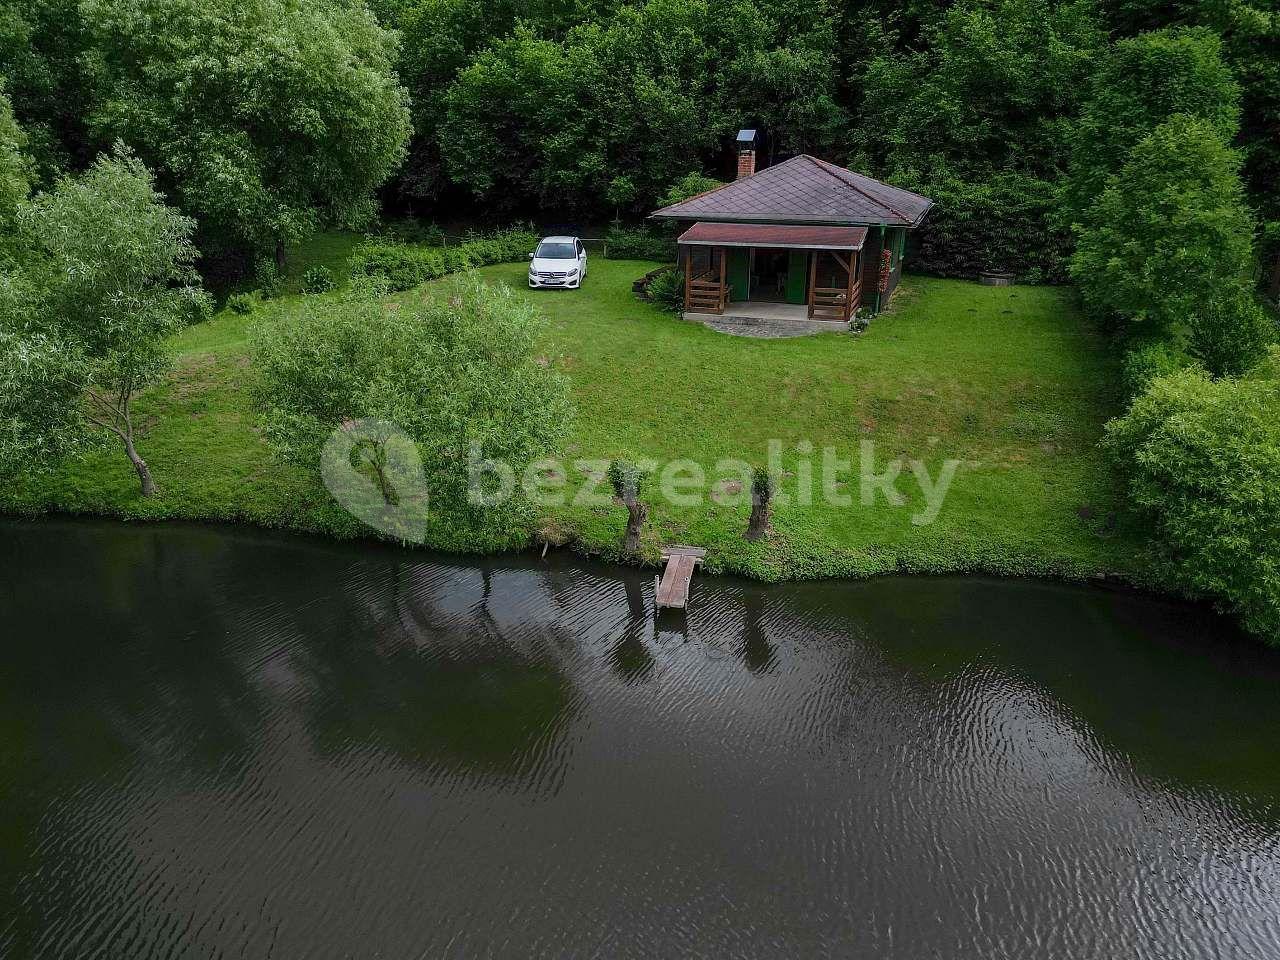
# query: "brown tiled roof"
[[775, 235], [804, 189]]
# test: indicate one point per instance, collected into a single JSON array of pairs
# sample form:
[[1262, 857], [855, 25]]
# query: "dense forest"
[[267, 119], [151, 148]]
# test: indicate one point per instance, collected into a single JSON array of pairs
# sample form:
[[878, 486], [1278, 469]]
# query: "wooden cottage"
[[803, 240]]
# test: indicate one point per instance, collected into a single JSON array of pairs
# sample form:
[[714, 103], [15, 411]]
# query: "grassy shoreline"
[[1006, 380]]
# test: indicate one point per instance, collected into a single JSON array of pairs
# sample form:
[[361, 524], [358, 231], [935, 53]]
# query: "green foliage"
[[1271, 259], [413, 230], [639, 243], [44, 57], [1251, 47], [107, 274], [15, 173], [1170, 234], [1230, 333], [559, 122], [621, 191], [267, 276], [1139, 84], [666, 289], [979, 119], [402, 265], [779, 69], [458, 374], [1005, 221], [318, 279], [241, 303], [1201, 464], [1252, 35], [317, 365], [40, 396], [112, 264], [764, 484], [992, 87], [266, 118], [627, 479], [688, 187], [1271, 234], [405, 266], [440, 38], [1151, 360], [600, 105]]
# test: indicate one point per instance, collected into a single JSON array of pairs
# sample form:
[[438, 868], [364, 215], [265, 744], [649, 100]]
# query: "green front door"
[[738, 273], [797, 276]]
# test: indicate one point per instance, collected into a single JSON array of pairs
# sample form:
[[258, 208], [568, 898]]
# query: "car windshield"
[[556, 251]]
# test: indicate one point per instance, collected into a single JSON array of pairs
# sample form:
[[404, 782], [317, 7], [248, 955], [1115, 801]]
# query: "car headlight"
[[572, 273]]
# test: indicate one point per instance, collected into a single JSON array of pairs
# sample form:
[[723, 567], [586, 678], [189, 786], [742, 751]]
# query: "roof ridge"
[[839, 172], [799, 189]]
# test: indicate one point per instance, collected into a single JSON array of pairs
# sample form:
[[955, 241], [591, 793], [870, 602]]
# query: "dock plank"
[[673, 591], [679, 551]]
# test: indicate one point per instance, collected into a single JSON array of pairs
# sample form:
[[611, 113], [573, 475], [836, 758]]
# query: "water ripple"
[[223, 744]]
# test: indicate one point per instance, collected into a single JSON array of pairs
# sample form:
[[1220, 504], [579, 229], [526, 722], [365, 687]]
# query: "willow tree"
[[764, 484], [455, 389], [105, 273], [628, 481], [15, 173]]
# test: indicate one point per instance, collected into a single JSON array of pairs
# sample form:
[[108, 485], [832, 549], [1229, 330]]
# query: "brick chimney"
[[746, 153]]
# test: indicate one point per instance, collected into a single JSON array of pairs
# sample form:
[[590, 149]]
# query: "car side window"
[[581, 248]]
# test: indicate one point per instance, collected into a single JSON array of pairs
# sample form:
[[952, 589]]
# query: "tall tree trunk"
[[280, 258], [637, 513], [144, 472], [761, 511]]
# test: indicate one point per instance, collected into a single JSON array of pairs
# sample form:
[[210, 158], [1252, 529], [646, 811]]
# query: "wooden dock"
[[673, 588]]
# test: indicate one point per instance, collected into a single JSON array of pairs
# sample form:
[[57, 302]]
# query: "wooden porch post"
[[855, 261], [724, 297], [813, 277], [848, 296], [688, 279]]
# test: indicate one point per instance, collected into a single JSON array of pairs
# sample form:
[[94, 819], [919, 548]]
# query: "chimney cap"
[[746, 137]]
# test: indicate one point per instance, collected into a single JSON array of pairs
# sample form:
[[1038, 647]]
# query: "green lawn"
[[1006, 380]]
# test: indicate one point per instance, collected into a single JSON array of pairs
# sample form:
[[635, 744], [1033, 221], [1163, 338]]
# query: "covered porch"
[[773, 271]]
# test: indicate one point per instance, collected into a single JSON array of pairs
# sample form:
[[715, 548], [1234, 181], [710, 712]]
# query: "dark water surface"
[[223, 744]]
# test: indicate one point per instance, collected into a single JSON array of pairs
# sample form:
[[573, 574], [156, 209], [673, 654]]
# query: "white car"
[[559, 262]]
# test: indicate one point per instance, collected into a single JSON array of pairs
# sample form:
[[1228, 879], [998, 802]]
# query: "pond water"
[[217, 743]]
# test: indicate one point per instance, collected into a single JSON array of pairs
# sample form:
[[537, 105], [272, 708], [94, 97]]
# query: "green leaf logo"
[[373, 468]]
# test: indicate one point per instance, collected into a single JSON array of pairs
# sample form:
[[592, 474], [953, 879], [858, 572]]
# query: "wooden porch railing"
[[705, 296], [707, 292], [835, 303]]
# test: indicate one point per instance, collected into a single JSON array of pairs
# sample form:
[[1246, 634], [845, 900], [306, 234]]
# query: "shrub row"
[[404, 266], [639, 243]]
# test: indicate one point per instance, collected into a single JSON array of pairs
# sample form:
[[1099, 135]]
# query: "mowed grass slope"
[[1009, 381]]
